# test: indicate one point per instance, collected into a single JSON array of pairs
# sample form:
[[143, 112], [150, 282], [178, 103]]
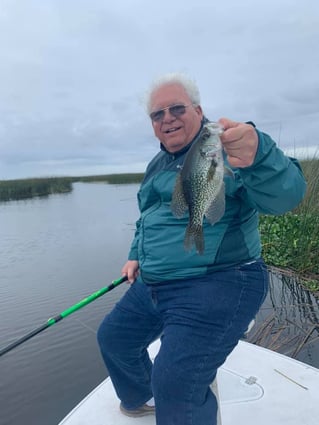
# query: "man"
[[200, 305]]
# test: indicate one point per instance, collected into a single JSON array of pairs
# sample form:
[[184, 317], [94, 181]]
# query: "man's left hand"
[[240, 142]]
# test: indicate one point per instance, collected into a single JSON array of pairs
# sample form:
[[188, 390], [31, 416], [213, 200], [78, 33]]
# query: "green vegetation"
[[291, 240], [28, 188], [114, 178]]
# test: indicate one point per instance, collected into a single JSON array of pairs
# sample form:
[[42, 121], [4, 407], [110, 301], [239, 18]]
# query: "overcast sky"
[[73, 72]]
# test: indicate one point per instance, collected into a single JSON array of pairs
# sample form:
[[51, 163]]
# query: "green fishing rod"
[[64, 314]]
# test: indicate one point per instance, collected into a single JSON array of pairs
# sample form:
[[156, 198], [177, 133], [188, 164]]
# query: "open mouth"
[[172, 130]]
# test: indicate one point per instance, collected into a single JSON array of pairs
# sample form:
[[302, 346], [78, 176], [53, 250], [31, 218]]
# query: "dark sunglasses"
[[175, 110]]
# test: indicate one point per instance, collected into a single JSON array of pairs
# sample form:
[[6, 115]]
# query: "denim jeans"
[[200, 321]]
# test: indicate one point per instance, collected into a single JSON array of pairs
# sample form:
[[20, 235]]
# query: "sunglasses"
[[175, 110]]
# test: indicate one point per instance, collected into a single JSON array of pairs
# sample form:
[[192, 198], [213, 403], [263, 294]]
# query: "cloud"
[[72, 75]]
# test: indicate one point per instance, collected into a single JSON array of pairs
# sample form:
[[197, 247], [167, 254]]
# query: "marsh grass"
[[114, 178], [28, 188], [292, 240]]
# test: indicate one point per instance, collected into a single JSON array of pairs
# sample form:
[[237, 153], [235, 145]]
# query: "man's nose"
[[168, 116]]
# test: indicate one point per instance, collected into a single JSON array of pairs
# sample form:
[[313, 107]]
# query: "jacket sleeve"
[[274, 183]]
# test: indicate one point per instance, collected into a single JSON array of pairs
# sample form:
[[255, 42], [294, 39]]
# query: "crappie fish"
[[199, 186]]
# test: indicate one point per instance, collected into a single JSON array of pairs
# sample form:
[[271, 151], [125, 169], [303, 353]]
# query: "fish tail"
[[194, 236]]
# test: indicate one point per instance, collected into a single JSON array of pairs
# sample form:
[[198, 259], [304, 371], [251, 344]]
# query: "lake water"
[[55, 251]]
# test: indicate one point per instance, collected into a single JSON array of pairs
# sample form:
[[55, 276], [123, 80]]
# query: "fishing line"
[[87, 326]]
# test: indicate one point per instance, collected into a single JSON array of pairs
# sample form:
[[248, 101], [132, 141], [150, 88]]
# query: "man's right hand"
[[131, 270]]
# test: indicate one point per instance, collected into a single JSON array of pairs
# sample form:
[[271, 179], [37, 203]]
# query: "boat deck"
[[253, 384]]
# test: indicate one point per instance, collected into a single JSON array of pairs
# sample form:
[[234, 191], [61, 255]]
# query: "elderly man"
[[200, 305]]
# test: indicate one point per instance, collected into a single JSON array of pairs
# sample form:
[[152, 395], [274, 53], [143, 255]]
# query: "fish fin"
[[178, 204], [217, 208], [194, 236]]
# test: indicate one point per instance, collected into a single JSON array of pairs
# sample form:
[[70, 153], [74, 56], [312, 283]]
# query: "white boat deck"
[[255, 385]]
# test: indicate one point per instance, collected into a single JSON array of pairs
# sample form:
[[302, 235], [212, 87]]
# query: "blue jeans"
[[200, 321]]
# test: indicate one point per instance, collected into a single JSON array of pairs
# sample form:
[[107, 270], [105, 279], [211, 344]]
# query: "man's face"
[[174, 132]]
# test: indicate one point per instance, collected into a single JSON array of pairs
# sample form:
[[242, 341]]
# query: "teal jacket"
[[273, 184]]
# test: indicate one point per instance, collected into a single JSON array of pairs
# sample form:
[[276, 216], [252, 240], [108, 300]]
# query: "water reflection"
[[289, 320]]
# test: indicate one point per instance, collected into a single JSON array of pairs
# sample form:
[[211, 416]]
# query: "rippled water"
[[53, 252]]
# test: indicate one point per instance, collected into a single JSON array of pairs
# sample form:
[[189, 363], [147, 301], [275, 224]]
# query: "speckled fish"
[[199, 186]]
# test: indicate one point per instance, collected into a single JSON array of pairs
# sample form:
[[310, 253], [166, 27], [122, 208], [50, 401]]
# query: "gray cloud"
[[72, 75]]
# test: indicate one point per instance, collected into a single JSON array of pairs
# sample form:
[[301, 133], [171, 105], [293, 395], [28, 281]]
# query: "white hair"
[[173, 78]]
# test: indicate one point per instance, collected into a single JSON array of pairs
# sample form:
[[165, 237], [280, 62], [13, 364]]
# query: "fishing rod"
[[64, 314]]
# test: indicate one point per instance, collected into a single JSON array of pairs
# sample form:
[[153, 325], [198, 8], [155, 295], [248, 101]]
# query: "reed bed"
[[128, 178], [288, 321], [28, 188], [291, 240], [285, 337]]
